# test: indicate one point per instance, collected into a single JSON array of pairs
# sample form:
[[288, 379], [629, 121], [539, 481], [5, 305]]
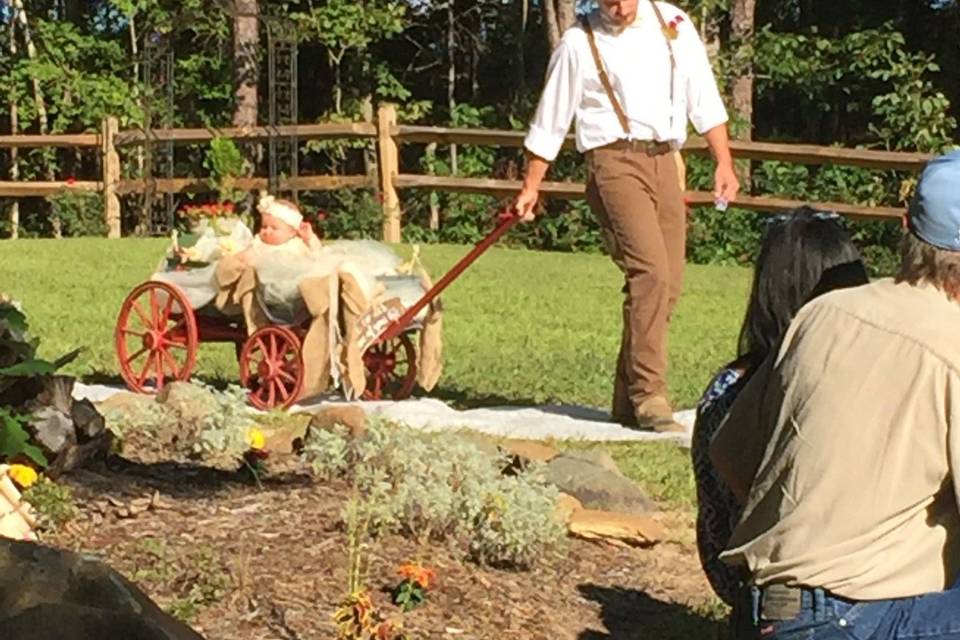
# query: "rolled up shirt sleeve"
[[704, 104], [558, 104]]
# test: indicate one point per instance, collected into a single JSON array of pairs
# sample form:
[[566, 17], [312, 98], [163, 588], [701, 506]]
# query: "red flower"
[[71, 181]]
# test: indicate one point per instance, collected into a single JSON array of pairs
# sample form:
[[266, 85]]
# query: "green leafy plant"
[[80, 213], [412, 591], [225, 163], [54, 503], [436, 487], [15, 441], [18, 350]]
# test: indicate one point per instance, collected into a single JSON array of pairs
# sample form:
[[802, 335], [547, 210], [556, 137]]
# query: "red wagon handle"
[[395, 328]]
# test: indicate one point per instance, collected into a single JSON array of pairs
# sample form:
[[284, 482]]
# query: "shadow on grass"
[[113, 379], [629, 614]]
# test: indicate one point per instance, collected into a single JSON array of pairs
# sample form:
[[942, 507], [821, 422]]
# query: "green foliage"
[[437, 486], [874, 72], [53, 502], [80, 213], [15, 441], [227, 425], [199, 575], [18, 349], [225, 163]]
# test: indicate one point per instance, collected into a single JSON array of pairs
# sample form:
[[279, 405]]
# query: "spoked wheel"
[[391, 368], [271, 367], [156, 337]]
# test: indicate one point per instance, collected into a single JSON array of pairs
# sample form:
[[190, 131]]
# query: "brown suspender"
[[673, 59], [605, 80]]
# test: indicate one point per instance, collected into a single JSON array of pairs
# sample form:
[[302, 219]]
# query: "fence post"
[[110, 161], [389, 167]]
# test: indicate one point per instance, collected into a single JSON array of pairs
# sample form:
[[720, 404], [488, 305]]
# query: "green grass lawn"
[[520, 326]]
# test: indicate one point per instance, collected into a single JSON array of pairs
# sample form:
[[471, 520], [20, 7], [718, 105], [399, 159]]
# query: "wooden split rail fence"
[[389, 135]]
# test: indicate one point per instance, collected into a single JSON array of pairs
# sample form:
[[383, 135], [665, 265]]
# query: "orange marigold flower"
[[424, 576]]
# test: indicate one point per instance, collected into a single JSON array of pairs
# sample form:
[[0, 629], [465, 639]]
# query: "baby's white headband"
[[270, 207]]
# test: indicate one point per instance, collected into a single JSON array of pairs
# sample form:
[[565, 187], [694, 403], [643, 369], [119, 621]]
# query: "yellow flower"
[[256, 439], [23, 475]]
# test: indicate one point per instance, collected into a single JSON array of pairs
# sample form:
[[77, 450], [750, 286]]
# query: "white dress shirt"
[[637, 61]]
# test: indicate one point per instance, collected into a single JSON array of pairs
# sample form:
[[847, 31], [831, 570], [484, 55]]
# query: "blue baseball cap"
[[934, 214]]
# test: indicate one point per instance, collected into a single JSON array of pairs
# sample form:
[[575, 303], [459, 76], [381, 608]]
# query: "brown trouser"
[[639, 202]]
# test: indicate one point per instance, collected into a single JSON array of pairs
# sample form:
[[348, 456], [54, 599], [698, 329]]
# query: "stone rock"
[[76, 456], [56, 392], [618, 529], [567, 505], [86, 420], [351, 417], [597, 456], [48, 594], [191, 402], [530, 450], [486, 445], [596, 487], [52, 429], [285, 436], [125, 403]]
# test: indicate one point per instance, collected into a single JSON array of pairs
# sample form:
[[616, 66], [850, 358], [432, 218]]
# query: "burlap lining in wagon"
[[339, 311]]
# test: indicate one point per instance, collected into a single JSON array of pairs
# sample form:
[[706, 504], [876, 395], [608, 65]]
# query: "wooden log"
[[22, 141], [574, 190], [302, 131], [20, 189], [389, 167], [200, 185], [110, 163], [449, 135], [818, 155], [742, 150]]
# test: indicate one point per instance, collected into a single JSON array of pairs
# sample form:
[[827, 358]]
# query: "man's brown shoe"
[[655, 414]]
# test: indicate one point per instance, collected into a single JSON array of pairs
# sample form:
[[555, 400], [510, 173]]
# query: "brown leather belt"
[[648, 147]]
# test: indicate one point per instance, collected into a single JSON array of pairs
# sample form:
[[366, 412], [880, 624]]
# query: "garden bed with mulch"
[[241, 561]]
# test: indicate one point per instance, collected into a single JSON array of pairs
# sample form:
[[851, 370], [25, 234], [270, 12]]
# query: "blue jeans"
[[934, 616]]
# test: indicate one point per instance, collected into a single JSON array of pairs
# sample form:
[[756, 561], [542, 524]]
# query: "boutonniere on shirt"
[[671, 30]]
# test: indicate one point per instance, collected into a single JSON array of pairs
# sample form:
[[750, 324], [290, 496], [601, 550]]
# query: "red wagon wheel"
[[391, 369], [271, 367], [156, 337]]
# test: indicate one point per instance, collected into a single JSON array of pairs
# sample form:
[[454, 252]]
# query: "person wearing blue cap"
[[844, 450]]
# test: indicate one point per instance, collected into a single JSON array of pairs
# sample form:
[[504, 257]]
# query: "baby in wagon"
[[283, 232]]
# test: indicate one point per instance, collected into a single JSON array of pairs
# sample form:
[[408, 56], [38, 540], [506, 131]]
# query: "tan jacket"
[[854, 434]]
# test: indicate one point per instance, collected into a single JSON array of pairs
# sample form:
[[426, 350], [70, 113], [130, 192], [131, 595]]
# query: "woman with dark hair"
[[804, 254]]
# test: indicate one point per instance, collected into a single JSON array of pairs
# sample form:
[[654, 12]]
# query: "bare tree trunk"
[[452, 75], [41, 105], [135, 52], [246, 76], [431, 152], [521, 48], [369, 151], [743, 21], [246, 42], [742, 15], [14, 125], [558, 16]]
